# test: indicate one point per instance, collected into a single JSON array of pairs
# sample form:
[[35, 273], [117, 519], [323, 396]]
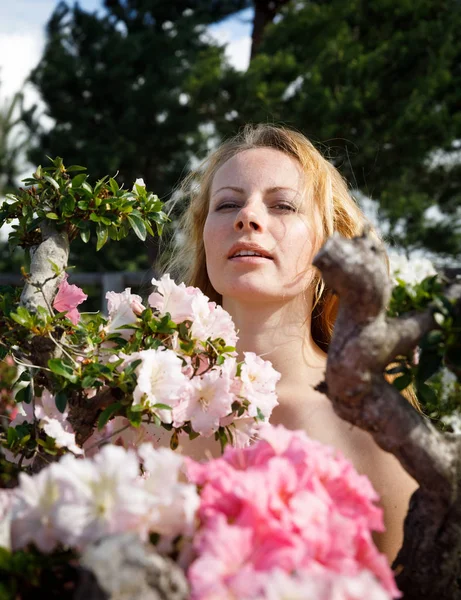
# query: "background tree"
[[378, 85], [122, 89]]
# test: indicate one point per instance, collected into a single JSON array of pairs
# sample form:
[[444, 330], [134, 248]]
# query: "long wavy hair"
[[325, 188]]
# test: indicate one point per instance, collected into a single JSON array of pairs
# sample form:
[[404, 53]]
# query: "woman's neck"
[[279, 332]]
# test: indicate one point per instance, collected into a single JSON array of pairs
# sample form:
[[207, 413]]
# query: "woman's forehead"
[[264, 167]]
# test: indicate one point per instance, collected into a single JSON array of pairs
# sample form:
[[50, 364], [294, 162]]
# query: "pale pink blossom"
[[211, 321], [6, 503], [259, 380], [123, 308], [68, 298], [55, 423], [173, 299], [160, 381], [208, 400]]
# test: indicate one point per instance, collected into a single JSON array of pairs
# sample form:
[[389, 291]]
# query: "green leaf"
[[51, 215], [102, 235], [75, 168], [24, 395], [53, 182], [85, 234], [107, 413], [61, 401], [87, 187], [138, 225], [113, 185], [161, 406], [60, 368], [132, 366]]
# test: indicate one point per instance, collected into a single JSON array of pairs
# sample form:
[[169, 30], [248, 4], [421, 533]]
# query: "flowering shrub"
[[286, 513]]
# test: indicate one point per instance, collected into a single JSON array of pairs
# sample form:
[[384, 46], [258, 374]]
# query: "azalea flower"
[[411, 271], [140, 182], [68, 298], [173, 299], [209, 400], [160, 381], [33, 510], [259, 380], [123, 308]]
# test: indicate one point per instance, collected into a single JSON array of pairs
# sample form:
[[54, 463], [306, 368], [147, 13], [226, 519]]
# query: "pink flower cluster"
[[287, 504]]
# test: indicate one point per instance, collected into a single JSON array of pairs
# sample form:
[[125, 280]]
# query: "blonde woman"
[[261, 206]]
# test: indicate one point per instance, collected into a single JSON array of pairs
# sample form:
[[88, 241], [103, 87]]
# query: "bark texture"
[[40, 288], [428, 565]]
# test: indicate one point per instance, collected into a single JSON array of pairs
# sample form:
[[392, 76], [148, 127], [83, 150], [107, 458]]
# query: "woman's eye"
[[226, 204], [285, 206]]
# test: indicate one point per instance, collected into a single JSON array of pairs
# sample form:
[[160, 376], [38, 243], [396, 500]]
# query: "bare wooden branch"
[[364, 342]]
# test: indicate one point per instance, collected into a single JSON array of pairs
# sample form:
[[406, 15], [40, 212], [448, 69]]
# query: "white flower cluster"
[[411, 271], [75, 502]]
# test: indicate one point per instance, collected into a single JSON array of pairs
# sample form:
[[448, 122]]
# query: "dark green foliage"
[[379, 88], [113, 84]]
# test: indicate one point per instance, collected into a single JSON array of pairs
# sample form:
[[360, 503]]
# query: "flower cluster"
[[286, 512], [285, 517], [190, 378], [75, 502], [410, 272]]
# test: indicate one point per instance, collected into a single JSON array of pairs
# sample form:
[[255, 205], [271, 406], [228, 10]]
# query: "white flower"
[[140, 182], [160, 381], [411, 271], [173, 504], [208, 401], [6, 501], [54, 423], [99, 496], [123, 310], [33, 510], [259, 380]]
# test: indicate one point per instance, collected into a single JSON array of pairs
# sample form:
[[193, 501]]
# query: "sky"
[[22, 38]]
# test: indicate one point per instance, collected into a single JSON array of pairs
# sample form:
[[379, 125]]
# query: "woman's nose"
[[249, 219]]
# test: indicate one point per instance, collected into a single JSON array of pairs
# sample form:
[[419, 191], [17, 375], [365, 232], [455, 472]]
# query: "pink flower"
[[68, 298], [287, 503]]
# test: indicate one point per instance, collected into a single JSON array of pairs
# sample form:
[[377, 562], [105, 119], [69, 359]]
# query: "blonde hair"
[[326, 189]]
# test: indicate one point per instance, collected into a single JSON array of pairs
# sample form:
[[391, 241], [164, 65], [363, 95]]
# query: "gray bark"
[[364, 342], [42, 284]]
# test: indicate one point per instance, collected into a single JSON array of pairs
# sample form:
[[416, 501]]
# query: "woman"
[[265, 203]]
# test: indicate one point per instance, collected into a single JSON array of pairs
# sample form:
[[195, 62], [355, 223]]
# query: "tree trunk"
[[265, 11], [428, 565]]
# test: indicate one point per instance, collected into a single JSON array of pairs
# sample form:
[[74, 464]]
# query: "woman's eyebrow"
[[268, 191]]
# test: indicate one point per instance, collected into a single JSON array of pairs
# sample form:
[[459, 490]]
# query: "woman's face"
[[259, 234]]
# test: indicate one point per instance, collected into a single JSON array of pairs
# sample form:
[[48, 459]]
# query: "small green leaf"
[[60, 368], [132, 366], [51, 215], [161, 406], [53, 182], [24, 395], [102, 235], [75, 168], [61, 401], [138, 225], [85, 235], [107, 413], [113, 185]]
